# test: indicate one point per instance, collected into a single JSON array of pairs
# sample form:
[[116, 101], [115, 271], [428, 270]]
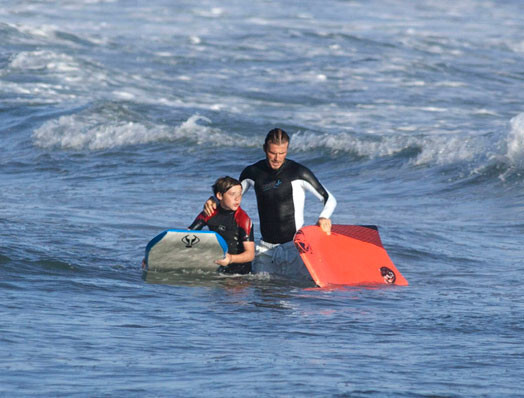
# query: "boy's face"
[[230, 200]]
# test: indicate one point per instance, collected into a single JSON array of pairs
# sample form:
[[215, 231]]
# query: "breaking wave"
[[94, 132], [97, 131], [515, 142], [422, 149]]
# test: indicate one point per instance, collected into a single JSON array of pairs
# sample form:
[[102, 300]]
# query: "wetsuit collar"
[[279, 169], [224, 211]]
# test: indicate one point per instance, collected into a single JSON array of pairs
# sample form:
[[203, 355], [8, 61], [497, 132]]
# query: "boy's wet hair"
[[276, 136], [223, 184]]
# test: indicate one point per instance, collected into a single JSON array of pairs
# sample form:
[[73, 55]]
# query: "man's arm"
[[246, 179], [210, 206], [311, 184]]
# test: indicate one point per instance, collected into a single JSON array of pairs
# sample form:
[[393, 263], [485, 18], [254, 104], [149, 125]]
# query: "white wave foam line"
[[69, 70], [74, 132], [52, 32], [94, 133], [37, 60], [42, 31], [344, 142], [443, 150], [515, 142], [27, 93], [439, 149]]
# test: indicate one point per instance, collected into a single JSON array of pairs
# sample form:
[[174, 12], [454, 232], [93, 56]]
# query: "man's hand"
[[325, 224], [210, 206]]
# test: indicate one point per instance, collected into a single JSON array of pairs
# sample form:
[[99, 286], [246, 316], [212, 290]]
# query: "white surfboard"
[[176, 249]]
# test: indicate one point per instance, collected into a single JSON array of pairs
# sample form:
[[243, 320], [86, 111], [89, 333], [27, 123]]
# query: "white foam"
[[443, 150], [42, 31], [40, 93], [450, 84], [100, 1], [214, 12], [94, 132], [515, 142], [433, 109], [433, 149], [65, 67], [415, 83], [361, 146], [217, 11], [71, 132], [195, 39], [37, 60], [486, 112], [124, 95]]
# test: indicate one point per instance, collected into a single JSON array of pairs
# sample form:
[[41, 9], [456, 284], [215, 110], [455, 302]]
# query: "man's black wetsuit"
[[235, 227], [281, 196]]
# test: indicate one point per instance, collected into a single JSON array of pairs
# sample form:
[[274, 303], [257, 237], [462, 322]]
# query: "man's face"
[[276, 154]]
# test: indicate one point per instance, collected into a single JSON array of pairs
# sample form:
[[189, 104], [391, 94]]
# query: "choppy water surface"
[[116, 118]]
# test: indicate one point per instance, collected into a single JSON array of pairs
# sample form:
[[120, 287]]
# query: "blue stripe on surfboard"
[[153, 242]]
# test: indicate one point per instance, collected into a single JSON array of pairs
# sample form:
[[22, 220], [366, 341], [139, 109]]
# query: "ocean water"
[[117, 116]]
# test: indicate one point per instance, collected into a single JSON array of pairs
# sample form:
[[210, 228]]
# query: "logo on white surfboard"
[[190, 240]]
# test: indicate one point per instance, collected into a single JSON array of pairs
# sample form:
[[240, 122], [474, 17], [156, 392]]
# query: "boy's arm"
[[246, 256], [199, 223], [246, 237]]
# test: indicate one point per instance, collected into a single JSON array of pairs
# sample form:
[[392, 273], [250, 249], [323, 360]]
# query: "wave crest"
[[422, 149], [515, 142], [96, 133]]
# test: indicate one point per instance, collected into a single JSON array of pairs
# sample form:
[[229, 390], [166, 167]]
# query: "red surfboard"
[[351, 255]]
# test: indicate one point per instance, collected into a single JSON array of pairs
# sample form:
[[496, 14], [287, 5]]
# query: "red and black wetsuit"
[[235, 227], [281, 196]]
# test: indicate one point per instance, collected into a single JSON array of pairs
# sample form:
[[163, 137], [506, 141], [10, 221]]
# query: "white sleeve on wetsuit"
[[329, 206], [246, 184], [299, 197]]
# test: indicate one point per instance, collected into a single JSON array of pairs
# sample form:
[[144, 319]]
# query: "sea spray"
[[515, 142], [95, 132]]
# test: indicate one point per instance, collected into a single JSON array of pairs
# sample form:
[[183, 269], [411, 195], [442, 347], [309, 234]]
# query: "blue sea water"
[[117, 116]]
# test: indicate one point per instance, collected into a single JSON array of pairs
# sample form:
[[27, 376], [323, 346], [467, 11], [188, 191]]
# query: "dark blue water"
[[117, 117]]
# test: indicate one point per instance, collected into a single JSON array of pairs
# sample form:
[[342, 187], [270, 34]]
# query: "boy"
[[233, 224]]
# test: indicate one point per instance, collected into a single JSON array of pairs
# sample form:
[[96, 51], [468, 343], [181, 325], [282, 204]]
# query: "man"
[[280, 186]]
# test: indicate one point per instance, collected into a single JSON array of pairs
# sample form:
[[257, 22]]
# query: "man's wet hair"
[[276, 136], [223, 184]]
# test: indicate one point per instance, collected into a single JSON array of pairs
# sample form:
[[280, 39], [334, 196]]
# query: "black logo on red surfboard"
[[190, 240], [388, 275], [302, 246]]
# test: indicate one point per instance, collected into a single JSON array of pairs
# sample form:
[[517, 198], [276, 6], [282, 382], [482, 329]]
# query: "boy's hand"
[[224, 261]]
